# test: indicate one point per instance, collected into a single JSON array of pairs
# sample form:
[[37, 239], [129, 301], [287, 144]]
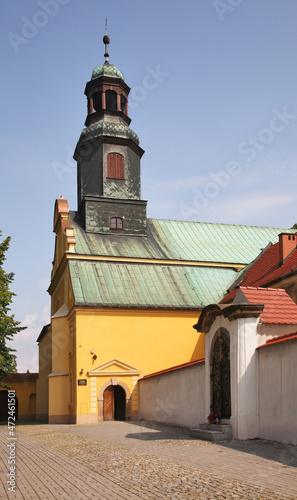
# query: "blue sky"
[[213, 100]]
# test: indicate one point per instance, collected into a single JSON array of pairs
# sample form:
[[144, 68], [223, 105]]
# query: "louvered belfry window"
[[115, 166]]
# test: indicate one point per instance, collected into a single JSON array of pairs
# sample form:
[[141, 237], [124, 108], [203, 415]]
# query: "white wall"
[[244, 379], [175, 398], [268, 331], [278, 392], [263, 386]]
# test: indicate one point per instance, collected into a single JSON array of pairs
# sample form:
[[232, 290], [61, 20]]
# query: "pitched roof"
[[118, 284], [265, 270], [280, 339], [287, 268], [183, 265], [279, 308], [257, 271], [179, 240]]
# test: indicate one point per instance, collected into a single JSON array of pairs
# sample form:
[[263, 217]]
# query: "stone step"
[[212, 432], [227, 428]]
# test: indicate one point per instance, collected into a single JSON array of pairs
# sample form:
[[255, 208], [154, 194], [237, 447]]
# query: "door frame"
[[223, 334], [114, 381]]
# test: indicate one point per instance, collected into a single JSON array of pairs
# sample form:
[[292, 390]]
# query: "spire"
[[106, 41]]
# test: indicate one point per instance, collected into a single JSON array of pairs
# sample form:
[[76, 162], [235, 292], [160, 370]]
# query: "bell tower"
[[108, 158]]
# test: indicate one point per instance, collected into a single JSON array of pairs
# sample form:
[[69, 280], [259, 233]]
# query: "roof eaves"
[[138, 306], [43, 332], [174, 368], [278, 340], [243, 274], [279, 278]]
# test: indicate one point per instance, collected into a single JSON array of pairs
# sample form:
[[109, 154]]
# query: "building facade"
[[125, 289]]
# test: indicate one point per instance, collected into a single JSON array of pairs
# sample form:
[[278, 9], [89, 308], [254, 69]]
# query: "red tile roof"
[[279, 308], [266, 270], [17, 376], [278, 340], [289, 267], [173, 368]]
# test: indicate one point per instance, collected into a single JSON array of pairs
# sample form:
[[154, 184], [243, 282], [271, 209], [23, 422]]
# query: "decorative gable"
[[113, 368]]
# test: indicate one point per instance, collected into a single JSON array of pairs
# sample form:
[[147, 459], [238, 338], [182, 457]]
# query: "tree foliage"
[[8, 325]]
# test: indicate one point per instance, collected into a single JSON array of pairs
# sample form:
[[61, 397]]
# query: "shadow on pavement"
[[285, 454], [282, 453], [153, 431]]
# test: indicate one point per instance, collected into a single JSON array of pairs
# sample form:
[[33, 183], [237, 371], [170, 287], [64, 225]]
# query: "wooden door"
[[108, 403]]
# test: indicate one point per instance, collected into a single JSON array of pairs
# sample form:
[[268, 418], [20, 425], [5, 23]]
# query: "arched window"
[[123, 103], [111, 100], [97, 101], [115, 166], [116, 223]]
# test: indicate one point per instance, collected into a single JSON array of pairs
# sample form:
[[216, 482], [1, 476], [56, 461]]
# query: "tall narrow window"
[[97, 101], [116, 223], [115, 166], [123, 103], [111, 100]]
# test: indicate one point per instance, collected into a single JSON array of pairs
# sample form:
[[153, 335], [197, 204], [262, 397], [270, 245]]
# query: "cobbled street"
[[142, 460]]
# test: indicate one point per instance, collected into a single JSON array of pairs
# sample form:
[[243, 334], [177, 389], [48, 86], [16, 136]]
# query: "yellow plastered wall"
[[72, 364], [25, 390], [62, 294], [59, 380], [148, 341], [60, 344], [45, 368], [59, 398], [58, 298]]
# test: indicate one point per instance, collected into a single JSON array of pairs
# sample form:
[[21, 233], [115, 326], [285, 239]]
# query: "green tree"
[[8, 325]]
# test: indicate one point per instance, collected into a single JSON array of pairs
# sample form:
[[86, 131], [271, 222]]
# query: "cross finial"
[[106, 41]]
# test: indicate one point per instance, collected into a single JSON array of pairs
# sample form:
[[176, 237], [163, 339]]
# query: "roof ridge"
[[221, 224], [263, 288]]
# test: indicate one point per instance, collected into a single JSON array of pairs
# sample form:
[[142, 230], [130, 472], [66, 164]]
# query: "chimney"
[[287, 243]]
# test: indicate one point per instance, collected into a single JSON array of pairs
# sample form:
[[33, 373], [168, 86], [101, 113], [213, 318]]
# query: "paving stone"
[[142, 460]]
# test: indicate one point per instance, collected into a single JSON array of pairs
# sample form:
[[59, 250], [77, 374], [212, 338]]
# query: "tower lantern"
[[108, 157]]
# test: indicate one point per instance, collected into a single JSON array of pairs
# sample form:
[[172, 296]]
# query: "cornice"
[[231, 312]]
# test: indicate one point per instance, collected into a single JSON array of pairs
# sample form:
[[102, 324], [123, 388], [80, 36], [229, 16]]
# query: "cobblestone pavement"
[[143, 460]]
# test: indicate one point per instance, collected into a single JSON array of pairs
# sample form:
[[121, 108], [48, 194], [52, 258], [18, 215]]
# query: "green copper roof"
[[163, 284], [107, 70], [180, 240], [112, 284], [110, 128]]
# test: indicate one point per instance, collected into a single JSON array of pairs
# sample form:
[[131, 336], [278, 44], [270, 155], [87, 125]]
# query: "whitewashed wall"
[[175, 398], [278, 392]]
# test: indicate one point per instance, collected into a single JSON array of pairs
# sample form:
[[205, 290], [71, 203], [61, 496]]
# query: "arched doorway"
[[114, 403], [221, 391], [4, 406]]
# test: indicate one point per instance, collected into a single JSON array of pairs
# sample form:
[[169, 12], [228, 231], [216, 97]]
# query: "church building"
[[125, 289]]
